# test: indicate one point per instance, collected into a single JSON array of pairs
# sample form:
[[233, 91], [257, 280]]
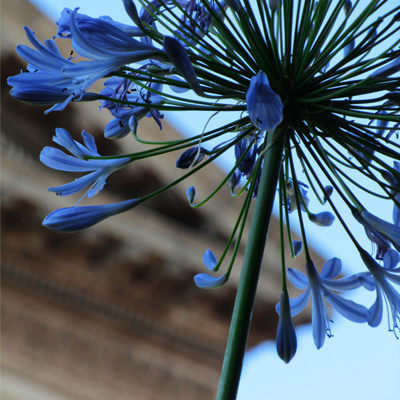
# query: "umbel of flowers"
[[313, 94]]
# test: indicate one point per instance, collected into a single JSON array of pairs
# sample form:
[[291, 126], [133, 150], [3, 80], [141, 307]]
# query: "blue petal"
[[391, 259], [367, 281], [319, 319], [298, 304], [209, 260], [347, 308], [114, 130], [131, 10], [110, 34], [375, 313], [97, 177], [297, 278], [348, 283], [64, 139], [396, 212], [77, 185], [73, 219], [57, 159], [90, 143], [40, 78], [331, 268], [206, 281]]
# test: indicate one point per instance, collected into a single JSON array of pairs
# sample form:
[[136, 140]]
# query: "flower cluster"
[[313, 92]]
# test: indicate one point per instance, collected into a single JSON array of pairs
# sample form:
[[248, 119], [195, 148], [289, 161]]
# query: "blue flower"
[[263, 104], [110, 48], [44, 83], [127, 117], [320, 287], [57, 159], [72, 219], [53, 79], [286, 341], [382, 276]]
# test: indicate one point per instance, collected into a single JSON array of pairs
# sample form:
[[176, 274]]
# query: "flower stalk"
[[245, 297]]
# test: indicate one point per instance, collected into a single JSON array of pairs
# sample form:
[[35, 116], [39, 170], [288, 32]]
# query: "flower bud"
[[72, 219], [297, 247], [324, 218], [190, 157], [181, 61], [274, 4], [286, 341], [347, 7], [263, 104], [191, 194]]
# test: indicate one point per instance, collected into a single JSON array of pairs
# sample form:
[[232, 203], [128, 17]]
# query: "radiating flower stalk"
[[312, 91]]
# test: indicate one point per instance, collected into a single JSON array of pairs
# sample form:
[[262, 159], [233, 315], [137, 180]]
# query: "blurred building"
[[112, 312]]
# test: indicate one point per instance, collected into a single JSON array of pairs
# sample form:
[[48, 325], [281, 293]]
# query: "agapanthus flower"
[[128, 116], [297, 111], [102, 168], [44, 82], [58, 80], [319, 287]]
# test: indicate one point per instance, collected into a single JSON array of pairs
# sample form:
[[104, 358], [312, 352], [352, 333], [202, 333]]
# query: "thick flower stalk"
[[312, 90]]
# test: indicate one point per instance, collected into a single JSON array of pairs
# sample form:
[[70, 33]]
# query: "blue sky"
[[359, 361]]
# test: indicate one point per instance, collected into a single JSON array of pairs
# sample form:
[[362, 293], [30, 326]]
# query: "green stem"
[[241, 317]]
